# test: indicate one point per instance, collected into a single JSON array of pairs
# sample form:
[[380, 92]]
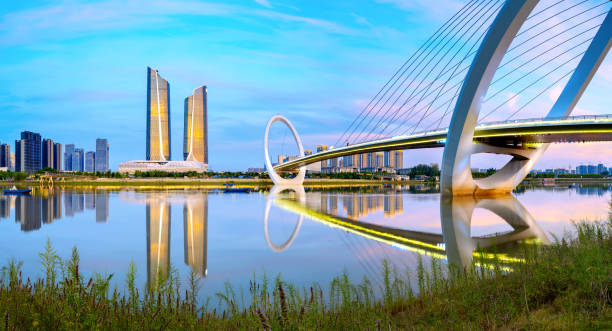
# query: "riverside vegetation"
[[562, 286]]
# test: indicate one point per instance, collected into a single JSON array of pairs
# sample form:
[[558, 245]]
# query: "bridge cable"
[[448, 107], [416, 92], [419, 51], [422, 68], [457, 22]]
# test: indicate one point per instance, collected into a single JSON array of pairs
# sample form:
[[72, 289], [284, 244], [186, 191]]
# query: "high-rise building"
[[394, 159], [5, 156], [47, 153], [195, 143], [158, 117], [68, 157], [101, 163], [78, 160], [90, 159], [27, 152], [322, 148], [57, 156]]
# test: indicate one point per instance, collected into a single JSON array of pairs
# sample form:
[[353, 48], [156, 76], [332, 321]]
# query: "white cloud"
[[264, 3]]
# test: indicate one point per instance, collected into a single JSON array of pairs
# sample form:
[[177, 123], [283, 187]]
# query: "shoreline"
[[251, 183]]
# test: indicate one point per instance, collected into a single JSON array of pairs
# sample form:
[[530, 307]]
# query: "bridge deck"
[[509, 133]]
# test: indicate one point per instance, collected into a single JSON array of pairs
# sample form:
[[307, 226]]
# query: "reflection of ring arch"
[[297, 180], [301, 196], [456, 177]]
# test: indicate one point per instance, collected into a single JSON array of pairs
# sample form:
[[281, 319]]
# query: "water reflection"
[[455, 244], [195, 233]]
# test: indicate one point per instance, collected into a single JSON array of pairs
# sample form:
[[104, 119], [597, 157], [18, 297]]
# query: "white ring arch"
[[276, 178], [301, 197]]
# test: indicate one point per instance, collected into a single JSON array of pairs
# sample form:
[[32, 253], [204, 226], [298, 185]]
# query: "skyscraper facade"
[[101, 159], [195, 143], [57, 156], [158, 117], [90, 161], [78, 160], [47, 153], [68, 157], [5, 156], [27, 152]]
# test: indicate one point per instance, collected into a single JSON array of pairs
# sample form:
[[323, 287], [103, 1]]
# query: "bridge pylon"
[[456, 177]]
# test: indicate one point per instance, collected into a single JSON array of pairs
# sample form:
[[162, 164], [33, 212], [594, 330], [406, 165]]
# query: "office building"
[[90, 159], [27, 152], [195, 143], [158, 117], [57, 156], [394, 159], [47, 153], [68, 157], [5, 156], [78, 160], [101, 157]]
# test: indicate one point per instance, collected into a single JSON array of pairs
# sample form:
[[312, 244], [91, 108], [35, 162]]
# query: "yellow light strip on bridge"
[[376, 235]]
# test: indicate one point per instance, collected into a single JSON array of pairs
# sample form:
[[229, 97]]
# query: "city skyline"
[[360, 43]]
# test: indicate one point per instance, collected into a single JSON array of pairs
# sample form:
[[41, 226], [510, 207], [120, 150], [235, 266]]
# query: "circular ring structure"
[[276, 178], [456, 177], [301, 196]]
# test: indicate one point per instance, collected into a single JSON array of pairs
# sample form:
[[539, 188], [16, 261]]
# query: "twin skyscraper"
[[158, 144]]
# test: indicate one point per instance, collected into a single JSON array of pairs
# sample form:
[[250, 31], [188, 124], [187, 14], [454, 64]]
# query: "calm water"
[[306, 236]]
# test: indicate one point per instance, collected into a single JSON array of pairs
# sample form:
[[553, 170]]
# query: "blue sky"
[[76, 70]]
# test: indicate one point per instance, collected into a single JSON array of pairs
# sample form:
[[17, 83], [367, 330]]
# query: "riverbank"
[[565, 286]]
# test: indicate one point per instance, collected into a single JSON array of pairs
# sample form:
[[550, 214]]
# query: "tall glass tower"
[[195, 143], [101, 155], [158, 117]]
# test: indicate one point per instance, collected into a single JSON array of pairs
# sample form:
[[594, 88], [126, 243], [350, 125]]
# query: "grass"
[[562, 286]]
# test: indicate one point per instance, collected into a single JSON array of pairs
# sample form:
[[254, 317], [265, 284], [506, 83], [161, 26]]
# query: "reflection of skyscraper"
[[68, 203], [158, 240], [5, 207], [57, 205], [195, 227], [78, 202], [90, 200], [333, 204], [101, 206], [28, 212], [47, 210], [195, 143], [158, 117]]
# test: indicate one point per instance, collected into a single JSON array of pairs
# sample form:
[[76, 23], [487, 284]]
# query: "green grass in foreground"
[[563, 286]]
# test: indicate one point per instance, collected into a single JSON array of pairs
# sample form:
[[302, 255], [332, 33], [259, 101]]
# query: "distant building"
[[323, 148], [158, 117], [258, 170], [27, 152], [307, 152], [90, 161], [57, 156], [78, 160], [5, 156], [101, 155], [394, 159], [195, 143], [68, 157], [47, 153]]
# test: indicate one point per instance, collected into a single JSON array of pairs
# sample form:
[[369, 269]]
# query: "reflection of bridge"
[[454, 244], [510, 48]]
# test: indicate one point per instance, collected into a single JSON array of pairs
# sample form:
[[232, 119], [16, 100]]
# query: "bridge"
[[485, 57], [517, 134]]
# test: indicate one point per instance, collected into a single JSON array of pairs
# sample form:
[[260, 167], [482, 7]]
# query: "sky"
[[76, 70]]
